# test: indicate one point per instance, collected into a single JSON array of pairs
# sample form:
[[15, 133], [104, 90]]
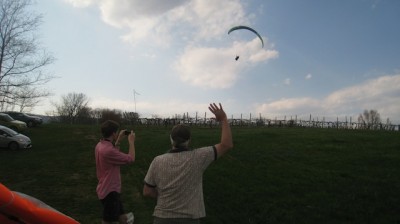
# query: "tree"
[[22, 58], [108, 114], [369, 119], [29, 97], [131, 117], [72, 107]]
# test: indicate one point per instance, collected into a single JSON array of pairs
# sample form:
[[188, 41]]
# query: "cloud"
[[80, 3], [308, 76], [160, 22], [208, 67], [213, 18], [287, 81], [147, 109], [382, 94], [198, 26], [153, 19], [216, 67]]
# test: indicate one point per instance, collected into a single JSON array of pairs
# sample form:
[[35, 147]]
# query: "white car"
[[13, 140]]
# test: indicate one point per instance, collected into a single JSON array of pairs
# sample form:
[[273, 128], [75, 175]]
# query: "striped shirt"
[[178, 179]]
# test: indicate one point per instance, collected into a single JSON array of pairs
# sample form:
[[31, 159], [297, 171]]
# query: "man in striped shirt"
[[176, 178]]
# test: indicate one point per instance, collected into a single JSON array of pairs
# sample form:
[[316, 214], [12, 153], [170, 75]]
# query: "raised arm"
[[226, 135], [131, 141]]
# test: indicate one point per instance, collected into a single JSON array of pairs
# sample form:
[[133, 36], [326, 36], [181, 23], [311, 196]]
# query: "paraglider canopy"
[[247, 28]]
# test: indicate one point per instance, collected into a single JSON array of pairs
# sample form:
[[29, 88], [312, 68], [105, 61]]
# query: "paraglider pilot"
[[237, 57]]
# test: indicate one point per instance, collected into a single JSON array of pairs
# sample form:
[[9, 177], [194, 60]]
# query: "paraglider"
[[246, 28]]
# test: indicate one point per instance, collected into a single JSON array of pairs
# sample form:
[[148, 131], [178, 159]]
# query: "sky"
[[330, 59]]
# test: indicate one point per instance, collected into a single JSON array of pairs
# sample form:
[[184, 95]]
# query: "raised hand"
[[217, 111]]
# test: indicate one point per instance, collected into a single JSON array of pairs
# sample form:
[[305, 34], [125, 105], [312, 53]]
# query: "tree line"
[[73, 108]]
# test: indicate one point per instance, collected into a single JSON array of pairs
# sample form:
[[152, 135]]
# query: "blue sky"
[[326, 58]]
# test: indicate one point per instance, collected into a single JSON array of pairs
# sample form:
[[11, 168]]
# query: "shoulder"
[[159, 158], [208, 151], [106, 148]]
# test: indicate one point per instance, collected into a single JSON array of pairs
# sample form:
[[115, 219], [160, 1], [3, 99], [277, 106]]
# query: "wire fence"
[[312, 122], [250, 121]]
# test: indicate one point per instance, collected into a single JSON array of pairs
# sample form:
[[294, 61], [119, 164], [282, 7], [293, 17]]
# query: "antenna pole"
[[134, 98]]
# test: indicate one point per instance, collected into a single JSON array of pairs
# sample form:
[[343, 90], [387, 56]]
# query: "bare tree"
[[369, 119], [29, 97], [114, 114], [131, 117], [22, 58], [72, 107]]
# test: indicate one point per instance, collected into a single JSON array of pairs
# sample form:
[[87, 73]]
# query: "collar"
[[107, 140], [175, 150]]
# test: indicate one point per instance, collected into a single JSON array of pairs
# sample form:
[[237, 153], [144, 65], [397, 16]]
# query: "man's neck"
[[110, 139]]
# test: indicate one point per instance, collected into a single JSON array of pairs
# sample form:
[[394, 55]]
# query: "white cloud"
[[147, 109], [157, 21], [287, 81], [308, 76], [213, 18], [208, 67], [80, 3], [290, 106], [216, 67], [194, 24], [382, 94]]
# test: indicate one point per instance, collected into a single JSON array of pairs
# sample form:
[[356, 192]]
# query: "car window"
[[9, 131], [6, 117]]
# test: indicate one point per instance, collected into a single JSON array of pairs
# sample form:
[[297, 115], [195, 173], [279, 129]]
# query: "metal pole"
[[134, 98]]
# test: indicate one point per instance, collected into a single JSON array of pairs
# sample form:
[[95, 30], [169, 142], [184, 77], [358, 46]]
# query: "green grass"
[[273, 175]]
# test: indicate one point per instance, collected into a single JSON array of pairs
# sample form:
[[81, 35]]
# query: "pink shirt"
[[108, 161]]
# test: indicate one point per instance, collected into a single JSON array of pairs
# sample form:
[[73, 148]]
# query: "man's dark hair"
[[108, 128]]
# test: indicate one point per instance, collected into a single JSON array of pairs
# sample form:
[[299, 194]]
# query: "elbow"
[[228, 145], [149, 193], [146, 193], [130, 161]]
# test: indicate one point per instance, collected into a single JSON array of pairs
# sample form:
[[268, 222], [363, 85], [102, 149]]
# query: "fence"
[[251, 121], [261, 121]]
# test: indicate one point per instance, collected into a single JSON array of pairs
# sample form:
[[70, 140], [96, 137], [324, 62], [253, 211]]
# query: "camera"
[[127, 132]]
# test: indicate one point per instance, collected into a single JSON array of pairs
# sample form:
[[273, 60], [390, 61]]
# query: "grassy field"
[[273, 175]]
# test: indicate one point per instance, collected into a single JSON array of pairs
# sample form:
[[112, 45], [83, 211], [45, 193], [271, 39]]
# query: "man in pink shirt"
[[109, 158]]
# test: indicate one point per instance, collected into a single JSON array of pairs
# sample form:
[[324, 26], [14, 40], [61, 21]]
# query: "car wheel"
[[30, 124], [13, 146], [14, 128]]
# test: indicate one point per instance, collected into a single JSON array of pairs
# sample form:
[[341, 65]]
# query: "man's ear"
[[172, 141]]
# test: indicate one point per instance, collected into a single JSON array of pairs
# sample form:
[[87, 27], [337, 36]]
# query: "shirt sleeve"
[[149, 179], [118, 158], [205, 156]]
